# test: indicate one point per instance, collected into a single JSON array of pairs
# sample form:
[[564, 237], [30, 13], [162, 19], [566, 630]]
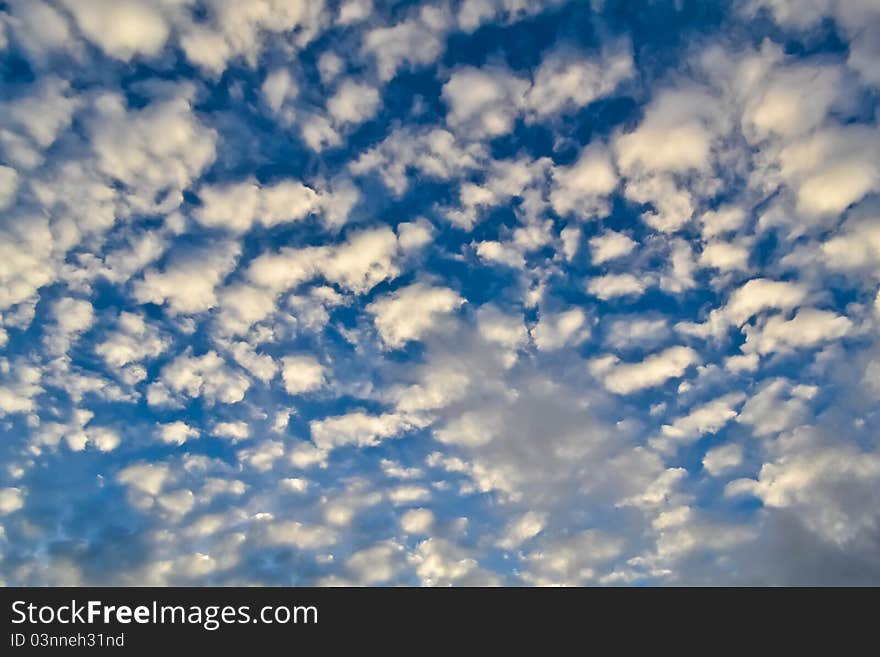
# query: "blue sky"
[[472, 292]]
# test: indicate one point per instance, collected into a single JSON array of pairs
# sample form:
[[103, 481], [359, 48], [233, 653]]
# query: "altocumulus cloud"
[[379, 293]]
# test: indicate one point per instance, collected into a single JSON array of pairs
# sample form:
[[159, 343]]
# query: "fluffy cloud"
[[808, 328], [610, 286], [301, 374], [121, 29], [583, 187], [331, 293], [410, 312], [205, 376], [610, 246], [357, 428], [188, 282], [656, 369], [482, 102], [555, 330], [705, 419], [238, 206]]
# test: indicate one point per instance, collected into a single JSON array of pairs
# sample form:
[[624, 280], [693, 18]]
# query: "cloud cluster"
[[455, 292]]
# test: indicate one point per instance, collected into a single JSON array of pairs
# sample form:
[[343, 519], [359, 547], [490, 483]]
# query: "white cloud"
[[483, 102], [610, 245], [410, 312], [240, 30], [11, 500], [278, 87], [705, 419], [566, 82], [831, 487], [725, 256], [611, 286], [808, 328], [134, 340], [636, 331], [301, 374], [520, 530], [233, 431], [357, 428], [572, 560], [205, 376], [363, 261], [412, 43], [831, 169], [656, 369], [778, 405], [750, 299], [555, 330], [149, 478], [73, 317], [353, 102], [177, 433], [238, 206], [156, 151], [261, 457], [17, 391], [433, 152], [299, 535], [498, 327], [471, 429], [403, 495], [414, 235], [583, 188], [417, 521], [188, 282], [675, 140], [121, 28], [8, 186], [376, 564], [722, 458]]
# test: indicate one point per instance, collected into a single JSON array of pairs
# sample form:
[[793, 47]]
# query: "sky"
[[450, 293]]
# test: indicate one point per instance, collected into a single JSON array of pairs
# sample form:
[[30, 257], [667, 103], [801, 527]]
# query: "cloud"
[[188, 282], [133, 341], [177, 433], [572, 560], [656, 369], [412, 43], [357, 428], [720, 459], [778, 405], [301, 374], [156, 151], [11, 500], [520, 530], [353, 102], [238, 206], [555, 330], [121, 29], [610, 245], [417, 521], [307, 293], [610, 286], [411, 311], [831, 487], [750, 299], [205, 376], [482, 102], [808, 328], [566, 82], [708, 418], [583, 188], [434, 152]]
